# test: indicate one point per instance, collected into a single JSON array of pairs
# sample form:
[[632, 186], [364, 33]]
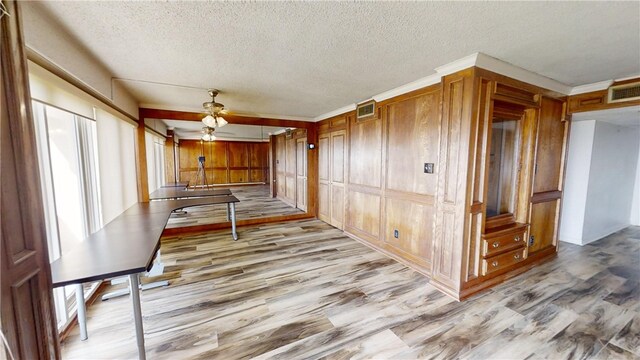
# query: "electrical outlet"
[[396, 233], [428, 168], [531, 240]]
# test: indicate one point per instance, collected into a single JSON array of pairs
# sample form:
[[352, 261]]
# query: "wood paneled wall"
[[226, 162], [387, 192], [436, 222]]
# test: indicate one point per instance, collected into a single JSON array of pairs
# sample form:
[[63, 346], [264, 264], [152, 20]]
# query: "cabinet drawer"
[[505, 260], [499, 244]]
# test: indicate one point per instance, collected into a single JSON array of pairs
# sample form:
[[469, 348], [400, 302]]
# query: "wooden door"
[[548, 175], [301, 174], [280, 167], [26, 298], [337, 177], [290, 171], [324, 199]]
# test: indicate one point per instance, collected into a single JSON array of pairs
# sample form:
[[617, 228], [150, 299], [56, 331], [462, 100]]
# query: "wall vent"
[[625, 92], [366, 110]]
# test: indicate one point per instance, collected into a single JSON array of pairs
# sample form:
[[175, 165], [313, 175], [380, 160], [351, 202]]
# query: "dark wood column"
[[28, 320]]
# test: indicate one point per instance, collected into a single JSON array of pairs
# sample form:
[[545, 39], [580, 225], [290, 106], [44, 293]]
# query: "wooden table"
[[125, 246]]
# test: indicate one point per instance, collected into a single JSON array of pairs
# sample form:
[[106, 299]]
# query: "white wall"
[[45, 36], [601, 180], [576, 181], [634, 219]]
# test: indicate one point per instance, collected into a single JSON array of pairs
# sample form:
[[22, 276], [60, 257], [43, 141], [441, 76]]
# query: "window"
[[68, 161], [155, 160]]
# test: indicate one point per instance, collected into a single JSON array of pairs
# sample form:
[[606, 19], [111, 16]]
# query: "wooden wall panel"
[[365, 158], [364, 213], [324, 197], [291, 172], [301, 174], [226, 162], [338, 177], [450, 226], [551, 134], [414, 223], [281, 183], [544, 223], [413, 140]]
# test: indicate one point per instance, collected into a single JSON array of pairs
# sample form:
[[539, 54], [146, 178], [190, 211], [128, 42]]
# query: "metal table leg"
[[233, 221], [137, 314], [82, 312], [228, 212]]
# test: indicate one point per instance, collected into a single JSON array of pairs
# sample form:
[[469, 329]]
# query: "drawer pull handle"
[[516, 238], [516, 256], [494, 264], [496, 244]]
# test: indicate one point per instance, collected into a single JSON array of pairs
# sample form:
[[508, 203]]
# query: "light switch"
[[428, 168]]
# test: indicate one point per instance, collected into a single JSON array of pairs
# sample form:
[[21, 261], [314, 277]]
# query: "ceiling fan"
[[215, 110]]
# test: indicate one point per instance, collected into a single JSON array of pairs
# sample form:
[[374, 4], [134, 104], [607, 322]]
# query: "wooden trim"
[[234, 119], [545, 196], [142, 176], [409, 260], [598, 100], [529, 263]]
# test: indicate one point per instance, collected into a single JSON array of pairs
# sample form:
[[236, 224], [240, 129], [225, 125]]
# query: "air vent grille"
[[366, 110], [626, 92]]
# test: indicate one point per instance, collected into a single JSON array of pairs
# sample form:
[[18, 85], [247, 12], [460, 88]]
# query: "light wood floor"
[[304, 290], [255, 202]]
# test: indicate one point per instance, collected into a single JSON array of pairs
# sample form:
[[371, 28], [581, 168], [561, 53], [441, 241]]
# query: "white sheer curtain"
[[116, 154]]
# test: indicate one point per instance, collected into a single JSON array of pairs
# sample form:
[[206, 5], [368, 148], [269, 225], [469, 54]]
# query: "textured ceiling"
[[308, 58]]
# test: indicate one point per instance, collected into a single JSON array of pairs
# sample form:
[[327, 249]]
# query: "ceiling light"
[[207, 133], [213, 119]]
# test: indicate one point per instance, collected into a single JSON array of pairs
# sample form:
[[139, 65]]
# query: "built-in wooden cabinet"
[[512, 169], [332, 147], [460, 180]]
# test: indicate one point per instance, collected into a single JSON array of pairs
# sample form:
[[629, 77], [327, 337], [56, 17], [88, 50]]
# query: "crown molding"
[[457, 65], [406, 88], [600, 85], [504, 68], [335, 112]]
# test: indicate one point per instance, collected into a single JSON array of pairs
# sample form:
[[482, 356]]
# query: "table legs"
[[82, 312], [233, 220], [228, 212], [134, 285]]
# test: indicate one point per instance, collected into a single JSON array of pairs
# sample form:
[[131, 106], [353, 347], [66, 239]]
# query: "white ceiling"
[[232, 132], [304, 59], [626, 116]]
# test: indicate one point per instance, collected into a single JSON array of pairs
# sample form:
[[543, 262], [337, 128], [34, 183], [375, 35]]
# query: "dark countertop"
[[165, 193], [126, 245]]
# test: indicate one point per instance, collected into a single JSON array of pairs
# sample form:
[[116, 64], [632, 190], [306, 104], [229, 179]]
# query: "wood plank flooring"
[[255, 202], [303, 290]]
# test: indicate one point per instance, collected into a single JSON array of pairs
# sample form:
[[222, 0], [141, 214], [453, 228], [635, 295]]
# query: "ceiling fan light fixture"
[[214, 109], [220, 121], [209, 121]]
